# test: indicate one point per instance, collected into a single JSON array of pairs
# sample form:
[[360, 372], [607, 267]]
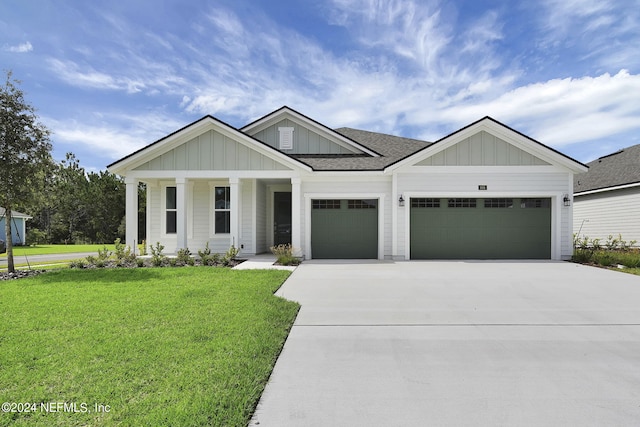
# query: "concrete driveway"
[[455, 343]]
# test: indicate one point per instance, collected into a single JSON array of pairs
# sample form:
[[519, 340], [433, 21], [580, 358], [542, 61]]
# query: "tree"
[[25, 153]]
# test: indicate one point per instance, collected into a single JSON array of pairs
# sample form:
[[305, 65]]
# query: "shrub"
[[36, 236], [157, 258], [604, 258], [230, 256], [184, 257], [284, 254], [104, 254], [205, 255], [77, 263]]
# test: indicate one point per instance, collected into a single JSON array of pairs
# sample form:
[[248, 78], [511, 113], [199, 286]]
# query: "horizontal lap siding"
[[609, 213]]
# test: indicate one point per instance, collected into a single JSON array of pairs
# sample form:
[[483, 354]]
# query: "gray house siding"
[[482, 149], [17, 231], [305, 141], [599, 215]]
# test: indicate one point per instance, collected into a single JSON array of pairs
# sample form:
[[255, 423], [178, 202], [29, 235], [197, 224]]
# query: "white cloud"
[[21, 48]]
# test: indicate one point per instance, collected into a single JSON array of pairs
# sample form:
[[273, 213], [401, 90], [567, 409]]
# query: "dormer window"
[[286, 138]]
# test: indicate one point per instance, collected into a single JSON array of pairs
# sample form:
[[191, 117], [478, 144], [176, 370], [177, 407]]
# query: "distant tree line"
[[75, 207]]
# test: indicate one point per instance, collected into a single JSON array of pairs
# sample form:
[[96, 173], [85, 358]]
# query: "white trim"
[[254, 215], [308, 197], [215, 174], [556, 212], [602, 190]]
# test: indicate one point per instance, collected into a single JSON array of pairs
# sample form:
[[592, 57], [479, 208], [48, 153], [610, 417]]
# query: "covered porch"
[[251, 213]]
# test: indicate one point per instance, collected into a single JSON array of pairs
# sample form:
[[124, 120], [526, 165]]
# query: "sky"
[[108, 78]]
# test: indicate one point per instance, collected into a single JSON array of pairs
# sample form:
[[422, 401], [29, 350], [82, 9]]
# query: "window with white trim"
[[286, 138], [222, 210], [171, 210]]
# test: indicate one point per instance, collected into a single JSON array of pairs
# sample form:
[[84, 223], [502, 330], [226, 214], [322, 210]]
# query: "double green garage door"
[[469, 228], [440, 228]]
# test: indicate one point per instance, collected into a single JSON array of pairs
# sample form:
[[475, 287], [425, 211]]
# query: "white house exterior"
[[607, 198], [485, 191]]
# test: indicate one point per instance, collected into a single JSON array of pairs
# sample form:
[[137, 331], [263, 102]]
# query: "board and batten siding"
[[211, 151], [600, 215], [339, 188], [482, 149], [519, 183], [305, 141]]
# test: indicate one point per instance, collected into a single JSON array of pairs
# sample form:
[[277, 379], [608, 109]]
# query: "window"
[[535, 203], [498, 203], [325, 204], [222, 210], [362, 204], [462, 203], [286, 138], [171, 205], [425, 203]]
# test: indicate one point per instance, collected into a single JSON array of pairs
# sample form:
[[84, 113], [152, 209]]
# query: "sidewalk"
[[262, 262]]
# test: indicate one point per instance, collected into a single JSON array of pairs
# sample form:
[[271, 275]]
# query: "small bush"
[[184, 257], [284, 254], [157, 258], [582, 256], [104, 253], [77, 263], [230, 256]]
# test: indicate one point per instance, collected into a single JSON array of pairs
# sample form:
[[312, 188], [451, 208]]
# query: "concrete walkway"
[[262, 262], [457, 343]]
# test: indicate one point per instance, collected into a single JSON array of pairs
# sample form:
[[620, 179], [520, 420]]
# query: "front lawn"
[[56, 249], [163, 347]]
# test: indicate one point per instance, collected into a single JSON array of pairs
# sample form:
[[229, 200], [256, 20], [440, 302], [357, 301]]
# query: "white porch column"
[[234, 222], [181, 213], [296, 232], [131, 213]]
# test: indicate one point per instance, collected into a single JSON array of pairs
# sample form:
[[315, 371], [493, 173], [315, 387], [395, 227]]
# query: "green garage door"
[[467, 228], [344, 229]]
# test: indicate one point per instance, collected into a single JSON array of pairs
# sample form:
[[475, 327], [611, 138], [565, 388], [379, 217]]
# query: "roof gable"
[[482, 149], [309, 136], [214, 141], [488, 142]]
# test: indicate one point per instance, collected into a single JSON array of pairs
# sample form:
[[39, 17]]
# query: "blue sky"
[[110, 77]]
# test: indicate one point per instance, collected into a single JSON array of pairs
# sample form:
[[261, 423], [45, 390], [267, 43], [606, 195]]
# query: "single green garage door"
[[467, 228], [344, 229]]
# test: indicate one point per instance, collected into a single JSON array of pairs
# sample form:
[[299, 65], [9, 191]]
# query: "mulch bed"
[[20, 274]]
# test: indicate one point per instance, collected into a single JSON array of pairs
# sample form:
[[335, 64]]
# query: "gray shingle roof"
[[391, 148], [619, 168]]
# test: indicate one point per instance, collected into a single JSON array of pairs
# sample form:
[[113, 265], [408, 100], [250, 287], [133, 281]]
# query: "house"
[[607, 198], [485, 191], [18, 227]]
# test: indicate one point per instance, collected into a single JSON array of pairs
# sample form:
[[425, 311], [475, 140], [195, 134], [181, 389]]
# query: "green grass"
[[162, 347], [56, 249]]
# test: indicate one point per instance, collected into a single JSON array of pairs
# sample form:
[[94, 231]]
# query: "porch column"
[[296, 232], [131, 213], [181, 213], [234, 221]]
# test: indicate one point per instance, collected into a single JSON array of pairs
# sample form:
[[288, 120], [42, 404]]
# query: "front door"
[[281, 218]]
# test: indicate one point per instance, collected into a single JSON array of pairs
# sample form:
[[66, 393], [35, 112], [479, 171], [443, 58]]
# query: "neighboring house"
[[18, 227], [484, 191], [607, 198]]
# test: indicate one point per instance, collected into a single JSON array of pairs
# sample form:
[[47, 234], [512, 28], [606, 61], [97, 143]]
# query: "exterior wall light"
[[401, 201], [566, 200]]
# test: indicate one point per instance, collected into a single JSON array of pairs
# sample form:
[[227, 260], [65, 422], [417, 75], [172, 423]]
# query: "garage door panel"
[[493, 229], [345, 230]]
